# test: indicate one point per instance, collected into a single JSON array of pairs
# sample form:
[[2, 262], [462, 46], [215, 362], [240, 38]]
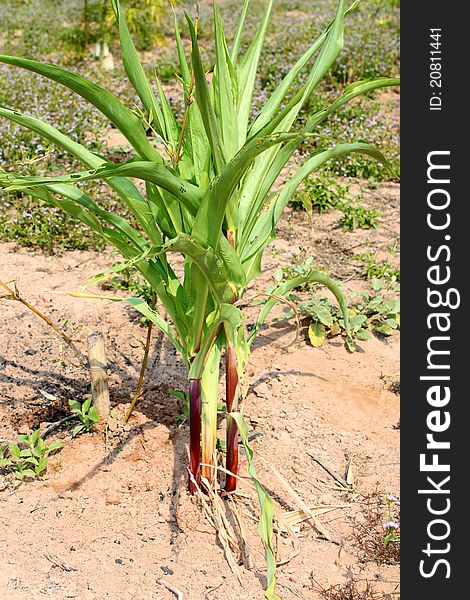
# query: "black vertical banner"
[[435, 217]]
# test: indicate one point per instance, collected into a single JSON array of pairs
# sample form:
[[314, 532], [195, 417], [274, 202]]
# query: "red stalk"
[[194, 432], [231, 384]]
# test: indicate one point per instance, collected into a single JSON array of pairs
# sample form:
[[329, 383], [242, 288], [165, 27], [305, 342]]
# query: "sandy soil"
[[112, 520]]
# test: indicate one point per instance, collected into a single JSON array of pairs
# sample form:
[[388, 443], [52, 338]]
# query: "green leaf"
[[204, 102], [93, 415], [188, 194], [86, 406], [129, 125], [351, 344], [238, 35], [246, 73], [26, 473], [357, 321], [316, 334], [42, 465], [135, 71], [376, 284], [363, 335], [34, 436], [323, 314], [284, 288], [15, 451], [267, 508], [75, 406], [383, 328], [78, 429], [53, 447]]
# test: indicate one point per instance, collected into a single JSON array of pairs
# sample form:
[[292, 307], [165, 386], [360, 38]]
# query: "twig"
[[144, 364], [13, 294], [329, 470], [58, 424], [178, 593]]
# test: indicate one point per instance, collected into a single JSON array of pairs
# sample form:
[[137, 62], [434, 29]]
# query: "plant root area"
[[112, 518]]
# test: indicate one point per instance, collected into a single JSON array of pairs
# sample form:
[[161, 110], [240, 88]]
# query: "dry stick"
[[143, 366], [178, 593], [15, 295], [317, 524], [98, 374], [329, 470]]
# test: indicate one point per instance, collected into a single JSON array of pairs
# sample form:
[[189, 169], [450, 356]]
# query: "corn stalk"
[[208, 198]]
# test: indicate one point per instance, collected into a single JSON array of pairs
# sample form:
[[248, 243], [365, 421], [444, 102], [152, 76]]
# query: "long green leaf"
[[225, 87], [136, 73], [204, 103], [238, 36], [263, 230], [246, 73], [267, 509], [126, 190], [128, 123], [284, 288], [189, 195], [209, 219]]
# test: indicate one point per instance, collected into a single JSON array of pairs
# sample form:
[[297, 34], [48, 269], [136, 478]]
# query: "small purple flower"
[[391, 498], [391, 525]]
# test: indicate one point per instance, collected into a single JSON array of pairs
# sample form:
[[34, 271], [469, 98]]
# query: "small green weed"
[[370, 314], [375, 268], [321, 193], [27, 457], [356, 216], [87, 414]]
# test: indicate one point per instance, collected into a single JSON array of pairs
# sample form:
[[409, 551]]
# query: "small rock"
[[166, 570]]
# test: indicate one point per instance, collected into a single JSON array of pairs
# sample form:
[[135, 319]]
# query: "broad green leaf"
[[323, 314], [383, 328], [210, 217], [93, 415]]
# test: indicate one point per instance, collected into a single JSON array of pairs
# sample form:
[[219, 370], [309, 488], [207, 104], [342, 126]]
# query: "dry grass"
[[369, 535], [352, 590]]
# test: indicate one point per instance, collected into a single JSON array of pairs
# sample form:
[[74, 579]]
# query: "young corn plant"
[[208, 179]]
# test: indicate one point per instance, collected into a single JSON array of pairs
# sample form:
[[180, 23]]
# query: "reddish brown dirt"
[[112, 520]]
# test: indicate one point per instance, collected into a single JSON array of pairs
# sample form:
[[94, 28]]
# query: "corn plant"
[[208, 179]]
